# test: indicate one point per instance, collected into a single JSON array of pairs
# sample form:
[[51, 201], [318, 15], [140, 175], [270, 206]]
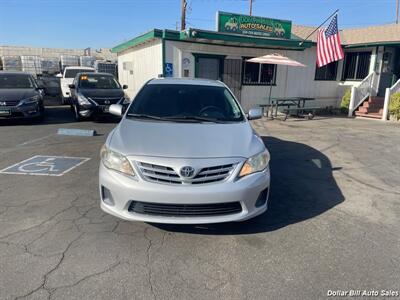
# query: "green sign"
[[255, 26]]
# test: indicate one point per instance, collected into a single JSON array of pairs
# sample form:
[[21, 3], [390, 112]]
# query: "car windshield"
[[16, 81], [180, 102], [97, 81], [71, 73]]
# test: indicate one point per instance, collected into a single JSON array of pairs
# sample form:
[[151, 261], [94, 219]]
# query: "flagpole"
[[302, 42]]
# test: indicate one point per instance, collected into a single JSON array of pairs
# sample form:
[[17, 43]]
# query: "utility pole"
[[183, 14], [251, 6], [397, 11]]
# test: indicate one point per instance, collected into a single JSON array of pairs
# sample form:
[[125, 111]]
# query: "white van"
[[67, 77]]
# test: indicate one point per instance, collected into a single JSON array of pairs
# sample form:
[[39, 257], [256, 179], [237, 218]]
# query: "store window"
[[258, 74], [356, 65], [327, 72]]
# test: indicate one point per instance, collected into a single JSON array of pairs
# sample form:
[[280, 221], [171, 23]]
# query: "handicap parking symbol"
[[45, 165]]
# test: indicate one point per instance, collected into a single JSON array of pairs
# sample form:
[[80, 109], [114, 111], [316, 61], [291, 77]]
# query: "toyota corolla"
[[184, 152]]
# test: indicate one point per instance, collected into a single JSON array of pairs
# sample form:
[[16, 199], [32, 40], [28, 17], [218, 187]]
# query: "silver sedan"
[[184, 152]]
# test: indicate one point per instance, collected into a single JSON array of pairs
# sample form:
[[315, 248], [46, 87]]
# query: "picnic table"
[[294, 106]]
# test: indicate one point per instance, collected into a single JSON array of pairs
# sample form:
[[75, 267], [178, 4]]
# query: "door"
[[233, 75], [209, 68], [387, 71]]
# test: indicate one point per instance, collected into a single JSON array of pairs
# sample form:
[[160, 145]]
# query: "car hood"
[[16, 94], [185, 140], [102, 93]]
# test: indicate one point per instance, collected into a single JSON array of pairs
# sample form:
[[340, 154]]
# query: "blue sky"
[[105, 23]]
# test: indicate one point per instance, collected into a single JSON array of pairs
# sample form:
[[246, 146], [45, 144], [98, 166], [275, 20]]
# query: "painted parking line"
[[45, 165]]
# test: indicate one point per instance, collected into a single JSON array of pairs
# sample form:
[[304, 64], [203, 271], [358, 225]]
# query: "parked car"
[[93, 93], [20, 96], [67, 77], [184, 152]]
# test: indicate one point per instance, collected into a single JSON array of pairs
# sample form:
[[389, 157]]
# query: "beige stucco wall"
[[144, 62]]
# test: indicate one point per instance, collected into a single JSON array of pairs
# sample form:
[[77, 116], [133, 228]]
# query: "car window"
[[16, 81], [173, 100], [97, 81], [71, 73]]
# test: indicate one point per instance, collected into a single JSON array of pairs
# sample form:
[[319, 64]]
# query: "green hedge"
[[344, 106], [394, 105]]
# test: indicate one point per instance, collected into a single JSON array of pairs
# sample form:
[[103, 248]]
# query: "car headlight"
[[31, 100], [256, 163], [116, 161], [82, 100]]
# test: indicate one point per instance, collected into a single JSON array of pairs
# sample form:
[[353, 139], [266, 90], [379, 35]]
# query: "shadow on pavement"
[[302, 187]]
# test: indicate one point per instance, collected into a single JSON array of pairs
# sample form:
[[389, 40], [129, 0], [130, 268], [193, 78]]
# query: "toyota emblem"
[[107, 102], [187, 171]]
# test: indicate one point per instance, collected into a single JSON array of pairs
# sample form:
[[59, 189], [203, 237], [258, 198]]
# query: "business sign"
[[255, 26]]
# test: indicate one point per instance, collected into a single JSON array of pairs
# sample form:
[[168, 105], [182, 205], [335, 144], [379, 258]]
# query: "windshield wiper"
[[193, 118], [144, 116]]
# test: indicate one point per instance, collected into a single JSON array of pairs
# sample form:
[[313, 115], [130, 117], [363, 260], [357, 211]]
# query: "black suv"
[[20, 96], [93, 93]]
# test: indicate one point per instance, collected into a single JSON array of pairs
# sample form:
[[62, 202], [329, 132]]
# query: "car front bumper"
[[20, 111], [87, 111], [124, 190]]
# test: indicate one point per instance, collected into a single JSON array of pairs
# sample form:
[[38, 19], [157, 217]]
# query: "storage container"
[[11, 63]]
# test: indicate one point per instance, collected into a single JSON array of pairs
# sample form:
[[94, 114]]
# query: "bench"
[[306, 112], [263, 107]]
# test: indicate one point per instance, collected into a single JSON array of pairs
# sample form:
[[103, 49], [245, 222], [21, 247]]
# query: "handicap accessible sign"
[[169, 70]]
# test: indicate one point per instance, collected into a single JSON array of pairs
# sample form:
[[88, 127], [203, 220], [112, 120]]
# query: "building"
[[371, 63]]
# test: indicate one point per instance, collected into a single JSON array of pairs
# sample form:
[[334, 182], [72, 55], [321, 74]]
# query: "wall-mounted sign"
[[256, 26], [169, 70]]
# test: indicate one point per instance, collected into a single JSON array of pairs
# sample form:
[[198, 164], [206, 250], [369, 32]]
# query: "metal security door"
[[208, 68], [233, 76]]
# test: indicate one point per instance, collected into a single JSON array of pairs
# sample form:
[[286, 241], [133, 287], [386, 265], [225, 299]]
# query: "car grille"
[[102, 101], [11, 103], [163, 174], [183, 210]]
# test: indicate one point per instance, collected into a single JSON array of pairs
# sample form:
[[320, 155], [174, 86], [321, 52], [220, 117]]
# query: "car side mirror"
[[59, 75], [71, 86], [254, 114], [124, 87], [116, 110]]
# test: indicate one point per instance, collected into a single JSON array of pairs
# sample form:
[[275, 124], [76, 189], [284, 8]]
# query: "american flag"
[[329, 47]]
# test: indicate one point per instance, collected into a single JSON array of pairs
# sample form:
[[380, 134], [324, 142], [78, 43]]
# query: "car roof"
[[188, 81]]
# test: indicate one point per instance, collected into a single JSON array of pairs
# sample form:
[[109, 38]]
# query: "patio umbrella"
[[276, 59]]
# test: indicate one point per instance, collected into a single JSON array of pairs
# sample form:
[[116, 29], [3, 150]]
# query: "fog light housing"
[[106, 196], [84, 113], [262, 198]]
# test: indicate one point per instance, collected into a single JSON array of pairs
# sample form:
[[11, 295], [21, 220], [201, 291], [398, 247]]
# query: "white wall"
[[292, 81], [146, 62]]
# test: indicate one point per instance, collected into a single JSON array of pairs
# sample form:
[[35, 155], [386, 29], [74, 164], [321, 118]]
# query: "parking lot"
[[332, 224]]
